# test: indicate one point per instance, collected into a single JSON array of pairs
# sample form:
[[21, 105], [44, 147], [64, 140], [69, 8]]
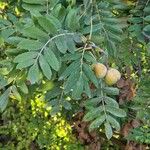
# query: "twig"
[[82, 58], [102, 94], [47, 5], [51, 39], [91, 30], [99, 17]]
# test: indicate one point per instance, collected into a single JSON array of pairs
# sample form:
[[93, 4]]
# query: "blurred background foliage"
[[28, 125]]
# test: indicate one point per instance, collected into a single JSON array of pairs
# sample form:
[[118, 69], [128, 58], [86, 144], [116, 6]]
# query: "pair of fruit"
[[111, 75]]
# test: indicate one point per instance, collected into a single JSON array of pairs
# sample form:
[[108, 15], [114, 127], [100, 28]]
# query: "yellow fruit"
[[100, 70], [112, 76]]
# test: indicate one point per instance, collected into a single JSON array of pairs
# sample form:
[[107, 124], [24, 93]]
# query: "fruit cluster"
[[111, 75]]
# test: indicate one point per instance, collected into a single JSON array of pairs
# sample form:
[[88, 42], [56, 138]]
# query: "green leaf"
[[53, 4], [33, 74], [147, 18], [14, 40], [115, 38], [77, 38], [34, 9], [86, 3], [51, 59], [105, 13], [71, 56], [25, 64], [115, 124], [5, 22], [108, 130], [112, 21], [97, 122], [53, 102], [147, 28], [35, 1], [13, 52], [72, 20], [70, 44], [111, 91], [15, 92], [71, 81], [30, 44], [78, 89], [35, 33], [111, 47], [61, 44], [110, 101], [59, 12], [66, 105], [93, 113], [96, 28], [148, 48], [120, 7], [54, 21], [115, 29], [25, 57], [3, 82], [45, 67], [6, 33], [135, 20], [115, 111], [87, 89], [89, 73], [4, 100], [55, 110], [98, 39], [89, 57], [47, 25], [69, 69], [147, 9], [93, 101], [53, 93], [23, 87]]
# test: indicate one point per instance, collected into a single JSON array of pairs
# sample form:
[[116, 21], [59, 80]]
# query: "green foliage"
[[31, 126], [49, 47], [140, 135], [104, 109], [141, 101]]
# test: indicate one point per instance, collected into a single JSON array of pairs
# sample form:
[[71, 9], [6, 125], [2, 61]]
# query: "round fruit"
[[112, 76], [100, 70]]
